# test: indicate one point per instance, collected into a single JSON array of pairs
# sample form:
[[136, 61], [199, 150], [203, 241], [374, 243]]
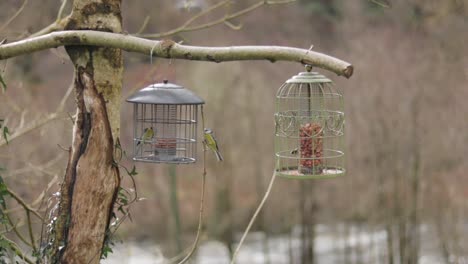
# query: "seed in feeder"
[[311, 147]]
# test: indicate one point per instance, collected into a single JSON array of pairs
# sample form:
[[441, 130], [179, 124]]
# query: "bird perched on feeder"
[[211, 143], [148, 134]]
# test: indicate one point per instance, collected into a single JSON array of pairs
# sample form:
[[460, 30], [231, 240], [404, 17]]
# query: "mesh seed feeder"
[[171, 112], [309, 136]]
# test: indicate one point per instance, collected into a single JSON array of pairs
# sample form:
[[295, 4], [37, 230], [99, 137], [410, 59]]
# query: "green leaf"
[[3, 193], [133, 172], [6, 133], [2, 82]]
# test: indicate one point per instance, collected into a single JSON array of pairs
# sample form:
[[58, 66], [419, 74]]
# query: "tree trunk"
[[175, 209], [309, 208], [414, 236], [91, 180]]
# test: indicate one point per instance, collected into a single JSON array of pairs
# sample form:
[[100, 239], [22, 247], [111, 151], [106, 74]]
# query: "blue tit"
[[211, 143], [148, 134], [294, 151]]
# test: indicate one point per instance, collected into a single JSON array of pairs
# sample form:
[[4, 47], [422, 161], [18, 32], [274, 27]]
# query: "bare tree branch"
[[224, 20], [61, 9], [25, 2], [24, 204], [22, 130], [170, 49], [58, 24]]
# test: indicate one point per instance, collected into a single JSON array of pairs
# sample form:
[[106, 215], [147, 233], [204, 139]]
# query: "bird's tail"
[[219, 156]]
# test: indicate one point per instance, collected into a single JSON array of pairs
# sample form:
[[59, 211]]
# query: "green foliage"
[[5, 246], [5, 130], [3, 191], [2, 82]]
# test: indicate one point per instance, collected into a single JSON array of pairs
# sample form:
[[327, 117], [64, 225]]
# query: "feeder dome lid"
[[165, 93], [309, 77]]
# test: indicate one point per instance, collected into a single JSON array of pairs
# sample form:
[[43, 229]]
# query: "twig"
[[58, 24], [55, 26], [144, 25], [16, 231], [14, 16], [41, 122], [171, 50], [31, 234], [24, 204], [252, 220], [185, 27], [61, 9], [187, 23], [200, 216]]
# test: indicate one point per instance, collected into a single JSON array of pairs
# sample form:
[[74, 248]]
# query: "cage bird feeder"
[[165, 117], [309, 120]]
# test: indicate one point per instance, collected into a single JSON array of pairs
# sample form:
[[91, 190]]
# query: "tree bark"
[[91, 180]]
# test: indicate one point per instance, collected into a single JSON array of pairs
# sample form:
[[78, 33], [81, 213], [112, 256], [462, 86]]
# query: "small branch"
[[30, 230], [187, 23], [144, 25], [41, 122], [33, 126], [24, 204], [169, 49], [185, 27], [61, 9], [56, 26], [252, 220], [200, 216], [16, 231], [25, 2]]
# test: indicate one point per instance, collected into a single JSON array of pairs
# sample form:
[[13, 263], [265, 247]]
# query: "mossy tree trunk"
[[91, 180]]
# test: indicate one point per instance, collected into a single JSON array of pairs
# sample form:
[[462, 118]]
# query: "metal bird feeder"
[[171, 112], [309, 137]]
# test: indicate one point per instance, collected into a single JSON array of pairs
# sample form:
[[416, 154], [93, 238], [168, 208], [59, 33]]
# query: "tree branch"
[[25, 2], [186, 26], [170, 49], [26, 207]]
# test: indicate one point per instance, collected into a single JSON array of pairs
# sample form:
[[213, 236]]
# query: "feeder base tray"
[[173, 160], [294, 173]]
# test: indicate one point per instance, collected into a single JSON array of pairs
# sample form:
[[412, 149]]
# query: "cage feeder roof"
[[165, 93], [309, 77]]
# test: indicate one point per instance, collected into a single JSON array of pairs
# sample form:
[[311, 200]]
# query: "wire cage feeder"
[[309, 121], [165, 117]]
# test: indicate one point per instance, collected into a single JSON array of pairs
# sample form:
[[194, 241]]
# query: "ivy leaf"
[[6, 133], [133, 172], [3, 193], [2, 82], [382, 3]]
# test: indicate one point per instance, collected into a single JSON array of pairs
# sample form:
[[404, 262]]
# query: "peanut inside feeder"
[[311, 148]]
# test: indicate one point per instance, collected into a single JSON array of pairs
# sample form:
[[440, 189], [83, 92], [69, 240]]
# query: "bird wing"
[[211, 141]]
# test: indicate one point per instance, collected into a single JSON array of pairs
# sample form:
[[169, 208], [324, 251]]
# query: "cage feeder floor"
[[293, 173], [174, 160]]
